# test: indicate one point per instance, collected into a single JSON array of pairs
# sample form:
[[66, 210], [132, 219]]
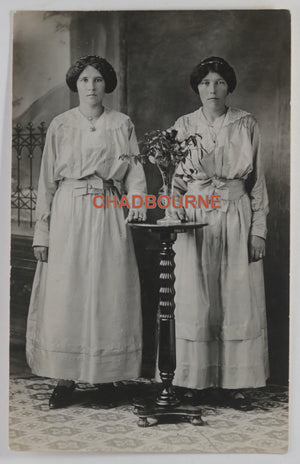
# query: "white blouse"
[[230, 149], [73, 151]]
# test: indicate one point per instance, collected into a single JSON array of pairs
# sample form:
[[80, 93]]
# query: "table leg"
[[167, 348], [166, 404]]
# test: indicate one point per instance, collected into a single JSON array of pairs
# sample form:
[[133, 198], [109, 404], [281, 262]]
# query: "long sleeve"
[[46, 189], [256, 187], [134, 181]]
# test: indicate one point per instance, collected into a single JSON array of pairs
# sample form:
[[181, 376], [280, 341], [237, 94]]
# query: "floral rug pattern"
[[89, 425]]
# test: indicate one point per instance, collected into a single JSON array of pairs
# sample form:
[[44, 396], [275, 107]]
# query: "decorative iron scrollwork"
[[27, 145]]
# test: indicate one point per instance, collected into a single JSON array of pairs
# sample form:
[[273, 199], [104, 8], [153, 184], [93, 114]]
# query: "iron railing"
[[27, 149]]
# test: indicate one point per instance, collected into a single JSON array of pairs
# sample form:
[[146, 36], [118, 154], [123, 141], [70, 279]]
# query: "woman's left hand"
[[257, 248], [136, 215]]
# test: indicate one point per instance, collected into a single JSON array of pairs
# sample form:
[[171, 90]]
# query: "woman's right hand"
[[41, 253]]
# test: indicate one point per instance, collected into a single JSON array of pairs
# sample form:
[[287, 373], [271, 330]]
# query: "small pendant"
[[92, 129]]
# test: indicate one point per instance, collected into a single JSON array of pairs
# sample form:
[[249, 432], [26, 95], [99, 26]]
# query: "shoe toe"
[[60, 397]]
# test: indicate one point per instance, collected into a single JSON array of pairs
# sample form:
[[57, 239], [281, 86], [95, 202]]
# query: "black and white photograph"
[[150, 231]]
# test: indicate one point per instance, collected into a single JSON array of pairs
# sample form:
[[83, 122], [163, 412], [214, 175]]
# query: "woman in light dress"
[[84, 321], [221, 333]]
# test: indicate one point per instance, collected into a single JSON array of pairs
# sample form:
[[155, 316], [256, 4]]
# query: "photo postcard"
[[150, 186]]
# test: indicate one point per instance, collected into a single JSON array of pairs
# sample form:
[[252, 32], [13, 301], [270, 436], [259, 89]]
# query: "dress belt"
[[88, 186], [226, 189]]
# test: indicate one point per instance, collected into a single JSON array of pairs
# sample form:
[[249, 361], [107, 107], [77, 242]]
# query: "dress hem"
[[91, 369]]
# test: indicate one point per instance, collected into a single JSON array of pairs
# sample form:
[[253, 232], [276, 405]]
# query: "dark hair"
[[103, 66], [214, 64]]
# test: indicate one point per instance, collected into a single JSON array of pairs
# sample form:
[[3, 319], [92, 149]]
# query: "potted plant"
[[162, 148]]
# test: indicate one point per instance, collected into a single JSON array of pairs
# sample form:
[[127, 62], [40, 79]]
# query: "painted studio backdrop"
[[153, 54]]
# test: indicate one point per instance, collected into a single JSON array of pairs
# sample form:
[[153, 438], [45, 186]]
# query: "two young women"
[[84, 321]]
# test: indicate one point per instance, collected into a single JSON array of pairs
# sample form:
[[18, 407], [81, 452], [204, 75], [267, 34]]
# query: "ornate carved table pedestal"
[[166, 404]]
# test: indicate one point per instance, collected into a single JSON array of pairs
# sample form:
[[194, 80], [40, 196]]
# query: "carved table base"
[[147, 409]]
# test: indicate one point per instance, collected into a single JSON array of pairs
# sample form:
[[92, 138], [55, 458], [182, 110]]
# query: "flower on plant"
[[162, 148]]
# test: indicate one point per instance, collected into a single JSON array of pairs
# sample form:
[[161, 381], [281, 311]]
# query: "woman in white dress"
[[84, 321], [221, 333]]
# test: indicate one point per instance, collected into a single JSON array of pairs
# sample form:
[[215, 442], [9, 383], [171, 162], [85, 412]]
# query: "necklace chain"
[[213, 133], [91, 119]]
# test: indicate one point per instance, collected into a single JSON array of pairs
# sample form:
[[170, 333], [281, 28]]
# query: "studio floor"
[[89, 426]]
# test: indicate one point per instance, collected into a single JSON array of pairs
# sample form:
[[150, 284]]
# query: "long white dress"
[[84, 319], [221, 333]]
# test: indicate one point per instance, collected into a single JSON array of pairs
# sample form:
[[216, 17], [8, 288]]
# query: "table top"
[[175, 227]]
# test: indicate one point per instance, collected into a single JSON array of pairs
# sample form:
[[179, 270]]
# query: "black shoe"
[[61, 396], [238, 400], [106, 395]]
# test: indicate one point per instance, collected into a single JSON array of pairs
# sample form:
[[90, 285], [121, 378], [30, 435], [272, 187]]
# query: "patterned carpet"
[[90, 425]]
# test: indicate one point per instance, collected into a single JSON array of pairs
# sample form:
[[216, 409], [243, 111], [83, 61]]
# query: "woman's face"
[[213, 90], [91, 86]]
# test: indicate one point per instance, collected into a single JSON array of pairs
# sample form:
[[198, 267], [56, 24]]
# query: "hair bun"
[[213, 64], [99, 63]]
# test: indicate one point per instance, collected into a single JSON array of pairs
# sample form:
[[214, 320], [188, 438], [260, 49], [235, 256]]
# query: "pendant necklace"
[[91, 119], [214, 131], [92, 127]]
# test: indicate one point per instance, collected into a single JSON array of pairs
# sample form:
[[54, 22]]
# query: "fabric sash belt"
[[227, 189], [88, 186]]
